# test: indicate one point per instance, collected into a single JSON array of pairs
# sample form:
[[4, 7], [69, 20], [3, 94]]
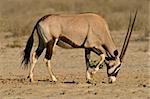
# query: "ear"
[[116, 52]]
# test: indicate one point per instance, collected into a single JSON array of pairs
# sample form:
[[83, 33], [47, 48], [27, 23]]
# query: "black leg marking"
[[49, 49], [87, 57], [39, 51]]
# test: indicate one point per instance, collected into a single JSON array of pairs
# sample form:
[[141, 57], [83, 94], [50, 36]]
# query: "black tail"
[[28, 48]]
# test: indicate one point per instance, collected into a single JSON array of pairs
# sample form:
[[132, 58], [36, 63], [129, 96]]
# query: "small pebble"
[[103, 82], [144, 85], [62, 93], [95, 93]]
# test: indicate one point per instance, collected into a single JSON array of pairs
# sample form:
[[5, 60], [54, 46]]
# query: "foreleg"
[[87, 57]]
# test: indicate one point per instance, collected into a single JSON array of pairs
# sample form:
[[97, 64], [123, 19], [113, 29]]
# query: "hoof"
[[54, 79], [54, 82], [31, 80]]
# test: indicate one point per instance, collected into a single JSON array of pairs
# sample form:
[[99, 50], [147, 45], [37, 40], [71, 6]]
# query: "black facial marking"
[[114, 73], [110, 58]]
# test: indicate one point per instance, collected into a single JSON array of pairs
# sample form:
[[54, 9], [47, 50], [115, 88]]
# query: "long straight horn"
[[127, 38]]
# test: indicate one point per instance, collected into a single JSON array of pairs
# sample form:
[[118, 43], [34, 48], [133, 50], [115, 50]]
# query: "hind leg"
[[48, 56], [35, 57], [48, 64], [33, 62]]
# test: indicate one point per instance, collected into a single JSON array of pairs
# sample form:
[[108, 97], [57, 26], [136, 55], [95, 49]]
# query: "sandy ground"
[[69, 68]]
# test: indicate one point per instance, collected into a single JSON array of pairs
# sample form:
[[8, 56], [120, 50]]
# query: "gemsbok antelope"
[[87, 30]]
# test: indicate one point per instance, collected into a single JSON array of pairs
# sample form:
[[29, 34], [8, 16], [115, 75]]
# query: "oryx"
[[87, 30]]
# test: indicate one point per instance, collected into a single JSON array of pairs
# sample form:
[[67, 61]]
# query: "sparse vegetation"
[[14, 44], [19, 16]]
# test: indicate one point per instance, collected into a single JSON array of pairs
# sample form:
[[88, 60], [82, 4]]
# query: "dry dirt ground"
[[69, 68]]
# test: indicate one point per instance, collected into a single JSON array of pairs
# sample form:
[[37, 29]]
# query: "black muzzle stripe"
[[115, 72]]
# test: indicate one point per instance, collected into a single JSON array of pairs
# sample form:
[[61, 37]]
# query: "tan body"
[[89, 31], [79, 31]]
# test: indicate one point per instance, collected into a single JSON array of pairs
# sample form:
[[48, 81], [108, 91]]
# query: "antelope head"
[[114, 64]]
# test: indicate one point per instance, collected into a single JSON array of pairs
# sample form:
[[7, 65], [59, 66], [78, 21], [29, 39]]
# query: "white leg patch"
[[88, 75], [34, 60], [102, 56], [50, 70], [56, 40]]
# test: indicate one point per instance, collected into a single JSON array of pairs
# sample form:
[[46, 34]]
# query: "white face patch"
[[114, 66], [111, 70]]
